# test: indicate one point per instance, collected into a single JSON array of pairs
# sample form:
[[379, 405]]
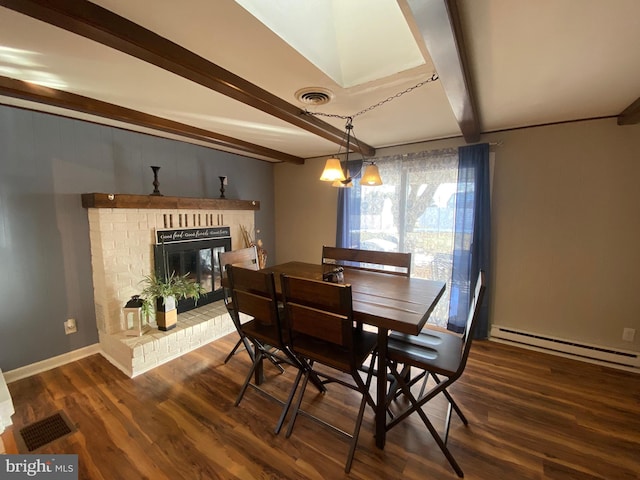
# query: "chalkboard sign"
[[191, 234]]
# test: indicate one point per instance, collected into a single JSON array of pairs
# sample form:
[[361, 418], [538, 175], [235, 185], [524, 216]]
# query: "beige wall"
[[305, 211], [567, 231], [566, 227]]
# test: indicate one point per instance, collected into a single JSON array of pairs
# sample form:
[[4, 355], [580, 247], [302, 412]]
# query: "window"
[[413, 211]]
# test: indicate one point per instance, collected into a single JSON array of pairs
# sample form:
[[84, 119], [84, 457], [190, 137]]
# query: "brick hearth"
[[136, 355]]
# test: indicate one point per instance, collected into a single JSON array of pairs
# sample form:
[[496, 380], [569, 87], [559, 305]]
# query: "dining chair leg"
[[287, 405], [440, 442], [366, 398], [447, 424], [394, 389], [276, 364], [247, 346], [452, 402], [315, 380], [245, 385], [434, 433], [364, 386], [296, 407], [243, 339], [302, 364], [356, 434], [233, 352]]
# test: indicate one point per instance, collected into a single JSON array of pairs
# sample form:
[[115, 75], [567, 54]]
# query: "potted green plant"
[[162, 292]]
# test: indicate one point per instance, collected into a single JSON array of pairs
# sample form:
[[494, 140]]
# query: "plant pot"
[[166, 313]]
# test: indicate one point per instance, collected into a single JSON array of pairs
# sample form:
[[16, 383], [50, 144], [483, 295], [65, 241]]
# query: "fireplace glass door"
[[199, 261]]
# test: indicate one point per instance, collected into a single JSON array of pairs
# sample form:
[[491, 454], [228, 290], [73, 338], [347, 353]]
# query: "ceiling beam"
[[631, 114], [98, 24], [438, 23], [70, 101]]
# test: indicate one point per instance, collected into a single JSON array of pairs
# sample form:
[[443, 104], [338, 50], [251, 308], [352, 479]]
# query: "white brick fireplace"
[[122, 235]]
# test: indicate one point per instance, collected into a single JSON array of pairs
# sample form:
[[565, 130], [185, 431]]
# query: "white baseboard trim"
[[599, 355], [49, 363]]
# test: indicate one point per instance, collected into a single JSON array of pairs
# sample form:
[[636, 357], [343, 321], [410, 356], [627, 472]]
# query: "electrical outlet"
[[628, 334], [70, 326]]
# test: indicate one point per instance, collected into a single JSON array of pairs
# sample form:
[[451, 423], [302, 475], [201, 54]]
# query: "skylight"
[[351, 41]]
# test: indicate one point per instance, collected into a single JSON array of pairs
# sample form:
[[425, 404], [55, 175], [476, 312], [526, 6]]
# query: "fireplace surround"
[[123, 233], [193, 252]]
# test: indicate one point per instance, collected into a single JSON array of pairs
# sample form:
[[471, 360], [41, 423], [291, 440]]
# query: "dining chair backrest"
[[438, 351], [318, 310], [371, 260], [472, 319], [247, 258], [242, 257], [253, 293]]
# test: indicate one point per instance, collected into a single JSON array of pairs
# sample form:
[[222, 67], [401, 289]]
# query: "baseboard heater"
[[580, 351]]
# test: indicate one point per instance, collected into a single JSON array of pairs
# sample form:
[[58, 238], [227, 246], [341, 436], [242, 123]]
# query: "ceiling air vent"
[[314, 96]]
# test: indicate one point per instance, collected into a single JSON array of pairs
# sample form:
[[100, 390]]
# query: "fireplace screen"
[[194, 252]]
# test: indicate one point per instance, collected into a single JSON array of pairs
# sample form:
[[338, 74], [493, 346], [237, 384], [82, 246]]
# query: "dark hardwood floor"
[[532, 416]]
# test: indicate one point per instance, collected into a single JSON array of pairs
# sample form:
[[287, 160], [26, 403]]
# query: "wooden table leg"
[[381, 407]]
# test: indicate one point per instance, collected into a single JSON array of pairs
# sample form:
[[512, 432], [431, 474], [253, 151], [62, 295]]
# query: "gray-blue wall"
[[46, 162]]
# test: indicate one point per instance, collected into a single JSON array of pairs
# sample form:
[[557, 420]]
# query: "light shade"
[[371, 176], [332, 171]]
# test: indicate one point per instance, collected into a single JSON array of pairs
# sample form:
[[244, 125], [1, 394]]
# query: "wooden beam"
[[631, 114], [70, 101], [438, 22], [101, 25]]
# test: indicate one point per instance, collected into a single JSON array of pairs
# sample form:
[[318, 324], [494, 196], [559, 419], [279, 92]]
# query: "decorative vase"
[[166, 313]]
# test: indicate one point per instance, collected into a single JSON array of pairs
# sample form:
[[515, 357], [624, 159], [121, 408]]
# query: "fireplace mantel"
[[116, 200]]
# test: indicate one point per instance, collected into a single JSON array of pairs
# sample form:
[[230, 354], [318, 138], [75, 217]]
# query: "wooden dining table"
[[386, 301]]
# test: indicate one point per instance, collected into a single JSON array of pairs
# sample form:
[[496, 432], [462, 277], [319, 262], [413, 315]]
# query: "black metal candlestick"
[[156, 183], [222, 181]]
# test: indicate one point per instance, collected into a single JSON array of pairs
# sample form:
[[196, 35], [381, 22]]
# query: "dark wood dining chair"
[[253, 293], [395, 263], [441, 356], [320, 320], [242, 257]]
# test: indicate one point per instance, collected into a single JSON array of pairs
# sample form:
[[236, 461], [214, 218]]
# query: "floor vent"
[[44, 431], [581, 351]]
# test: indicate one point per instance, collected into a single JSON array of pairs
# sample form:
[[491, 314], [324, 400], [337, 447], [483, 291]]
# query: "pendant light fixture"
[[333, 169], [340, 176]]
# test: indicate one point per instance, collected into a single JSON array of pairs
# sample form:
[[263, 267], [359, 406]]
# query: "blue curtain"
[[348, 228], [472, 237]]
